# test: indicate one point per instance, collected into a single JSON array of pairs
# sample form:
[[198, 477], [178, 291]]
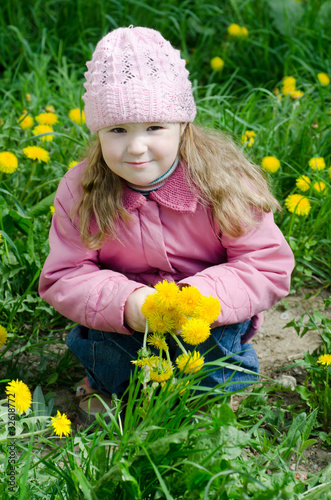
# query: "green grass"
[[43, 50]]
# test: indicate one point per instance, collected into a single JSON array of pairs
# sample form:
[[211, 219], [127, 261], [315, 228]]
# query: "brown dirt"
[[278, 347]]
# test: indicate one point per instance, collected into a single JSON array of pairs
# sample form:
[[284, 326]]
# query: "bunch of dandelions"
[[20, 399], [174, 312]]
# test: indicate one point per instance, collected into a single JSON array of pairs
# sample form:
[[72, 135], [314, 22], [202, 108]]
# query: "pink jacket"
[[172, 237]]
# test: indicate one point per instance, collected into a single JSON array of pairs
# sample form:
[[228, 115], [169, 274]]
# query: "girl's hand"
[[133, 316]]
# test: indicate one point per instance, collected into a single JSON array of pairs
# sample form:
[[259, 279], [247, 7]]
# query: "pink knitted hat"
[[136, 76]]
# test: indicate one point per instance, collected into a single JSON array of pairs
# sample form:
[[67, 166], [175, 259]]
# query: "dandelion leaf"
[[162, 445], [39, 407], [285, 15], [224, 443], [119, 473], [224, 414]]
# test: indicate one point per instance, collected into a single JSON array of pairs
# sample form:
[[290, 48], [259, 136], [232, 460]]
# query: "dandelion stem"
[[28, 434], [160, 359], [145, 336], [174, 336], [291, 226], [33, 170], [326, 402], [168, 357]]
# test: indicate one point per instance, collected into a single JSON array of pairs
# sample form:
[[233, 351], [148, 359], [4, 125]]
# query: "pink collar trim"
[[174, 194]]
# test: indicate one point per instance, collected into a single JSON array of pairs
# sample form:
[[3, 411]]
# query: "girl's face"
[[140, 152]]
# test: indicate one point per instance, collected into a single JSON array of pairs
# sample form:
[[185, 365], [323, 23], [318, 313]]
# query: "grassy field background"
[[260, 71]]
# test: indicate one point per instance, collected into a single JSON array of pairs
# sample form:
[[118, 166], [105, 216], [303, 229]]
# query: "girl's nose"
[[137, 145]]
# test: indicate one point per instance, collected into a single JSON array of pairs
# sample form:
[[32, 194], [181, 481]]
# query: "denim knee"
[[107, 357]]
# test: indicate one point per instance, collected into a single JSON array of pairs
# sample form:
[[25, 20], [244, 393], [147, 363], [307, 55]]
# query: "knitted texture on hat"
[[136, 76]]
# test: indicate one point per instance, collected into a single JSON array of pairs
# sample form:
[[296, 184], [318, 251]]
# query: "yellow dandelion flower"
[[182, 386], [52, 209], [8, 162], [317, 163], [296, 203], [50, 108], [303, 183], [77, 116], [319, 186], [25, 121], [158, 340], [3, 335], [61, 424], [146, 361], [288, 85], [195, 331], [72, 164], [36, 153], [149, 307], [161, 323], [323, 78], [180, 320], [28, 97], [161, 372], [234, 30], [188, 300], [47, 119], [270, 164], [248, 138], [19, 395], [43, 129], [190, 362], [217, 63], [296, 94], [167, 294], [325, 359], [209, 309], [243, 32]]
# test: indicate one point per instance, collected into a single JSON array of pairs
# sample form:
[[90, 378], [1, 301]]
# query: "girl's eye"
[[118, 130], [155, 127]]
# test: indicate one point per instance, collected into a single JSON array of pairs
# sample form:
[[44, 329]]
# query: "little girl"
[[158, 198]]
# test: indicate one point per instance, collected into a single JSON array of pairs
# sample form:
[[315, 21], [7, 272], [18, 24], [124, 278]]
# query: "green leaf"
[[309, 424], [20, 209], [83, 484], [286, 15], [161, 481], [52, 378], [39, 407], [119, 473], [43, 206], [161, 446], [307, 444], [224, 414], [11, 244]]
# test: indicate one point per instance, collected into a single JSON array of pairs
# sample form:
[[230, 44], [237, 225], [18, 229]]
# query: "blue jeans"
[[107, 356]]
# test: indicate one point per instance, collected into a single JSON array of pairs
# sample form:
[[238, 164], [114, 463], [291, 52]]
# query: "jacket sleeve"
[[255, 276], [73, 283]]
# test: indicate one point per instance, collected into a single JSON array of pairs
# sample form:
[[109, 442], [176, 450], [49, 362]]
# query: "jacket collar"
[[174, 194]]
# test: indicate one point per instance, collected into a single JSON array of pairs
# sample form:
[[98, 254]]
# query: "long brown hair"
[[234, 188]]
